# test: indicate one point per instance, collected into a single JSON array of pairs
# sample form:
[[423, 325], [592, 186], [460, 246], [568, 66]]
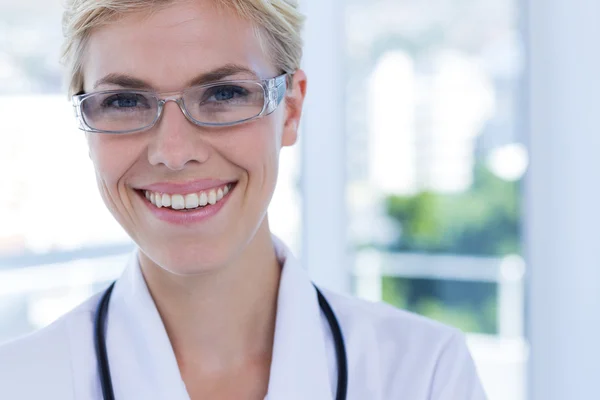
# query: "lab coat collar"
[[142, 360], [143, 363], [299, 369]]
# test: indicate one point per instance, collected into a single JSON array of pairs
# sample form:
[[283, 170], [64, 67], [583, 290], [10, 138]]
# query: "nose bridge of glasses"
[[176, 98]]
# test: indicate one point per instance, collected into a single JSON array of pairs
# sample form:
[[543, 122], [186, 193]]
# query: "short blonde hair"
[[278, 25]]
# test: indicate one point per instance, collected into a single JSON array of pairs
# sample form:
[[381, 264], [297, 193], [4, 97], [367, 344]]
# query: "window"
[[435, 158]]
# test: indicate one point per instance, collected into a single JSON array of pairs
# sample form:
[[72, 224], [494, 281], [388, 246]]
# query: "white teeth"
[[177, 202], [203, 199], [212, 197], [191, 200]]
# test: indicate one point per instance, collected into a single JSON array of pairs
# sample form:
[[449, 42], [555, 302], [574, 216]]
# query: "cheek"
[[257, 152], [112, 157]]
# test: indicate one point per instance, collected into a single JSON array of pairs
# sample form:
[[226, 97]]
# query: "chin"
[[188, 260]]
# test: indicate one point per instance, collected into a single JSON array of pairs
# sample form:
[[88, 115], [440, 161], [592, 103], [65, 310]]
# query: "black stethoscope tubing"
[[102, 356]]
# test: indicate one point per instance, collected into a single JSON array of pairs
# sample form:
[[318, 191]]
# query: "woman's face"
[[166, 50]]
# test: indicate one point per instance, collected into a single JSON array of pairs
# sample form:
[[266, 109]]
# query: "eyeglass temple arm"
[[276, 92]]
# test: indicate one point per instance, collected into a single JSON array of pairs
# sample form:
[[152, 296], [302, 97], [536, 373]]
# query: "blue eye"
[[125, 101], [226, 93]]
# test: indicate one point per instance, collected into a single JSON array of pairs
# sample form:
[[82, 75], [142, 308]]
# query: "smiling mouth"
[[187, 202]]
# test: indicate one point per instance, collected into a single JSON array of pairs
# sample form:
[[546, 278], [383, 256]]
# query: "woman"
[[186, 105]]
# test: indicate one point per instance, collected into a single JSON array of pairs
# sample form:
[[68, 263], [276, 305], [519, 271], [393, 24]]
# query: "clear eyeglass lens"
[[125, 111], [224, 103], [119, 112]]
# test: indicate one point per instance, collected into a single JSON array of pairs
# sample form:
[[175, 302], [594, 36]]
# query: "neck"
[[224, 319]]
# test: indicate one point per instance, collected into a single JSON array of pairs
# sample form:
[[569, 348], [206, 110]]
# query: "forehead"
[[173, 45]]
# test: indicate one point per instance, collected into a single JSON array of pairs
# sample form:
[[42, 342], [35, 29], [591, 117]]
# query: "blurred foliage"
[[469, 306], [484, 220]]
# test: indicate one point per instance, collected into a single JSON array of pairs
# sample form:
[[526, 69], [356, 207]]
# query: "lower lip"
[[201, 214]]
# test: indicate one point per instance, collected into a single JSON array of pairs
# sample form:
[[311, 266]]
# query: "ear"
[[293, 106]]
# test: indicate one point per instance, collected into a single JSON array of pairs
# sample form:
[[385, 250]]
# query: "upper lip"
[[186, 187]]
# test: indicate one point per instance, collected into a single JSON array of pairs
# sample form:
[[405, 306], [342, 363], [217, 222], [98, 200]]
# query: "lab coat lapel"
[[299, 368], [142, 360]]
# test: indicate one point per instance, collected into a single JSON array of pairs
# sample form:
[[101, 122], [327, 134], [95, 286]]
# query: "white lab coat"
[[392, 354]]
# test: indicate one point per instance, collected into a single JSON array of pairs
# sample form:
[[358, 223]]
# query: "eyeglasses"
[[223, 103]]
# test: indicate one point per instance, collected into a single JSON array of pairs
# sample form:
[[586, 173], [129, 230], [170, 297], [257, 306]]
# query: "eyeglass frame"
[[274, 92]]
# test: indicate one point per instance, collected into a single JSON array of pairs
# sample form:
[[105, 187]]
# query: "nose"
[[176, 141]]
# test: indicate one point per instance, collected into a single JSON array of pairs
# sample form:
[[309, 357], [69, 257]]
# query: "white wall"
[[563, 198]]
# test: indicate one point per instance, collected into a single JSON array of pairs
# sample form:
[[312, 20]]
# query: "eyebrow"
[[217, 74]]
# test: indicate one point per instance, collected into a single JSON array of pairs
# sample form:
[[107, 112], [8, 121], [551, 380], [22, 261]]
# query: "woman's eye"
[[225, 93], [125, 101]]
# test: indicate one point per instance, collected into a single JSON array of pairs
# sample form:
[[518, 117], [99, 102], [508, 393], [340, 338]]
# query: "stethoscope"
[[102, 356]]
